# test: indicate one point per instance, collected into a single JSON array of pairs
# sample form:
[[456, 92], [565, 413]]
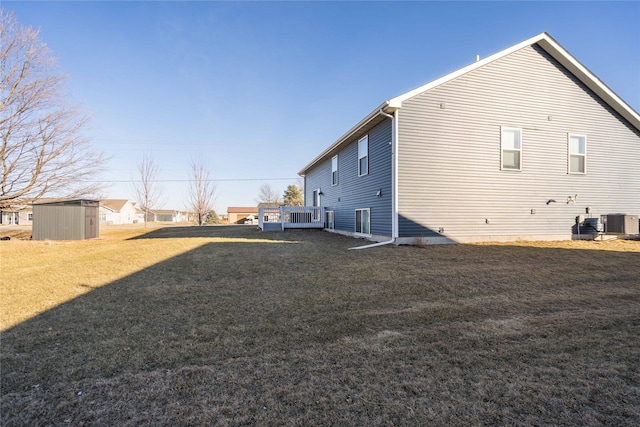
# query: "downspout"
[[394, 184]]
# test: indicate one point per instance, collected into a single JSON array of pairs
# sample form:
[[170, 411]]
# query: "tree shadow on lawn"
[[238, 334]]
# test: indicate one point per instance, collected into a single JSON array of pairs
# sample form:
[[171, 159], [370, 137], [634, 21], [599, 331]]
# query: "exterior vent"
[[621, 224]]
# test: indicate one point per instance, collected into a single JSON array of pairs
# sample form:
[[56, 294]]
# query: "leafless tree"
[[148, 193], [267, 195], [44, 151], [202, 191]]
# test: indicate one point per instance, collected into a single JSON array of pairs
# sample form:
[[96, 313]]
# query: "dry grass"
[[228, 326]]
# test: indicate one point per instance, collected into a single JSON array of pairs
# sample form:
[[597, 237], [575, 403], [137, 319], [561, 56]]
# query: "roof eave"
[[394, 104], [362, 124], [545, 41], [589, 79], [397, 101], [553, 48]]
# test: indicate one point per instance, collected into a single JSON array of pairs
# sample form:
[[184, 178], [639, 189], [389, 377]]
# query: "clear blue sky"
[[258, 89]]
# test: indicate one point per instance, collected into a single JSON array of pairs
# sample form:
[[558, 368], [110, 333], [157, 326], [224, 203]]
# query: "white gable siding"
[[449, 154]]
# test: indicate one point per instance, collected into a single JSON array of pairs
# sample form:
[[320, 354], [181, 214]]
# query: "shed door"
[[90, 226]]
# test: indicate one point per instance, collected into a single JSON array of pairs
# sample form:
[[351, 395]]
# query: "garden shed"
[[66, 220]]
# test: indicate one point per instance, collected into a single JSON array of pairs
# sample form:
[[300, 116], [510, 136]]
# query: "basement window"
[[577, 154], [363, 156], [511, 149]]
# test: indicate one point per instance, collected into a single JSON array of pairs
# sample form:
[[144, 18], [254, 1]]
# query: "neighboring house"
[[140, 214], [118, 211], [169, 215], [239, 214], [516, 146], [16, 215], [21, 212]]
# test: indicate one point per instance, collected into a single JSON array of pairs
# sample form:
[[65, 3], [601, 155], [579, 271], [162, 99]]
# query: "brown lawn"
[[230, 326]]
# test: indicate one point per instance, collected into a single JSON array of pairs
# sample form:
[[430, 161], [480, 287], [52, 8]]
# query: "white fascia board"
[[397, 101], [546, 42], [361, 124], [589, 79]]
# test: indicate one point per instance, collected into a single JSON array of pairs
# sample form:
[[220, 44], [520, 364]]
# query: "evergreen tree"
[[212, 218], [293, 196]]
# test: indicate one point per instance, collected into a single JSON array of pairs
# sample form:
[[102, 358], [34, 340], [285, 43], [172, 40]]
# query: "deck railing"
[[290, 217]]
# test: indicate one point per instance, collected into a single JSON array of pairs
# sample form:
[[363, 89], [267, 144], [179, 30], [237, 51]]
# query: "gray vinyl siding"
[[73, 222], [353, 192], [58, 223], [449, 158]]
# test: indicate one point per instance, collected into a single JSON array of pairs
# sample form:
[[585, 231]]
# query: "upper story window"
[[577, 153], [363, 156], [334, 170], [511, 148]]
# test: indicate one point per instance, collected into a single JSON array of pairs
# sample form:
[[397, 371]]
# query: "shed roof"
[[544, 40], [74, 202]]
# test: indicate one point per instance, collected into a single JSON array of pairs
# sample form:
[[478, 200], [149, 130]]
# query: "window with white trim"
[[577, 153], [30, 216], [363, 221], [334, 170], [330, 220], [316, 197], [511, 142], [363, 156]]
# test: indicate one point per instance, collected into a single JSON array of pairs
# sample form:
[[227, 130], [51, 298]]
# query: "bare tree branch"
[[201, 192], [147, 192], [267, 195], [43, 149]]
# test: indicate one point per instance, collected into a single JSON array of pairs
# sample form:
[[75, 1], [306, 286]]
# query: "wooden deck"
[[279, 219]]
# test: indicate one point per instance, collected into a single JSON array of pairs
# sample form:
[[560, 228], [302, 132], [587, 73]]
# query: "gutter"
[[361, 124], [394, 184], [373, 245]]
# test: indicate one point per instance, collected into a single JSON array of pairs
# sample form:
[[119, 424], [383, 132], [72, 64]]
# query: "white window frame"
[[316, 197], [355, 224], [363, 154], [571, 154], [334, 170], [504, 129], [331, 220]]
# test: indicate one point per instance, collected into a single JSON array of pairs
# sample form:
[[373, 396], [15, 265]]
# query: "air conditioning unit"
[[621, 224], [592, 226]]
